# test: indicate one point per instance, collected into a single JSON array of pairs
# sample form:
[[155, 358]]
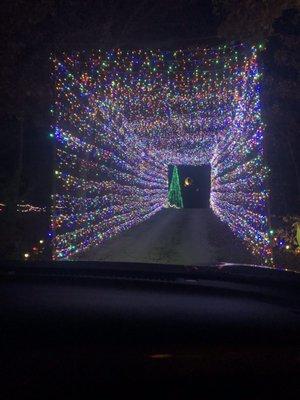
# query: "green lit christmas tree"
[[174, 196]]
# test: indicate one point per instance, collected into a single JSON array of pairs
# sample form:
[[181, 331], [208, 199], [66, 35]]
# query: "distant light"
[[41, 241], [271, 232], [26, 255], [287, 246], [188, 181]]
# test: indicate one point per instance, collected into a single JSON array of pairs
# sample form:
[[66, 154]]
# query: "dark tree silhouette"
[[277, 24]]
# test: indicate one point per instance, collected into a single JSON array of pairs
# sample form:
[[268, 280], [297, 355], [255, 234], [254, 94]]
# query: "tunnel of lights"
[[122, 117]]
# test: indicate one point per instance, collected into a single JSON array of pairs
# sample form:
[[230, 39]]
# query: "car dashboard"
[[71, 328]]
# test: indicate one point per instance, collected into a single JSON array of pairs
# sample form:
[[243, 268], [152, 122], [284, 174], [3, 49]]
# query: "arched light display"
[[121, 117]]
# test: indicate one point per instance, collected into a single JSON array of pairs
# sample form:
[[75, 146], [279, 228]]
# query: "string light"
[[122, 117], [174, 196], [36, 251], [26, 208]]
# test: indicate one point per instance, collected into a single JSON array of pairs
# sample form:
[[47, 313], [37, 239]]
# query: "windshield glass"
[[173, 140]]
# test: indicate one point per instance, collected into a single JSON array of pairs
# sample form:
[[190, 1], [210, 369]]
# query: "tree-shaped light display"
[[174, 196]]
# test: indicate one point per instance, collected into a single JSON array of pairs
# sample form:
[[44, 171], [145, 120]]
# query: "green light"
[[174, 195]]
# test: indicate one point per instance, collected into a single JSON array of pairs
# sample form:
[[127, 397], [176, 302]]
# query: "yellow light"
[[41, 241], [287, 246], [188, 181], [26, 255]]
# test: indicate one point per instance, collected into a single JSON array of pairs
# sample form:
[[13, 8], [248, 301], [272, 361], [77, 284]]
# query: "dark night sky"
[[33, 31], [75, 24]]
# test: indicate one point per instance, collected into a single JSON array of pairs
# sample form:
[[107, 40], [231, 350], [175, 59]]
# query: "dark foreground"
[[76, 329], [184, 237]]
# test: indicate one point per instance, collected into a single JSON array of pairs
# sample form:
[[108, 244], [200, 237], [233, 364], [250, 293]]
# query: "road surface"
[[185, 236]]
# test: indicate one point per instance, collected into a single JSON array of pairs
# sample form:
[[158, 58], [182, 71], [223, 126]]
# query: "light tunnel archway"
[[121, 117]]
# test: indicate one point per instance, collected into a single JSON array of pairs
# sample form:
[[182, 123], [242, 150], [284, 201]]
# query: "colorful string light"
[[26, 208], [121, 118]]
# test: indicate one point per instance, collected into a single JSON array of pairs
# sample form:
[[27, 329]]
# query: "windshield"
[[172, 140]]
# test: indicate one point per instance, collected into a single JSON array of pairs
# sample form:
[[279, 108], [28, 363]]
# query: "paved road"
[[187, 236]]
